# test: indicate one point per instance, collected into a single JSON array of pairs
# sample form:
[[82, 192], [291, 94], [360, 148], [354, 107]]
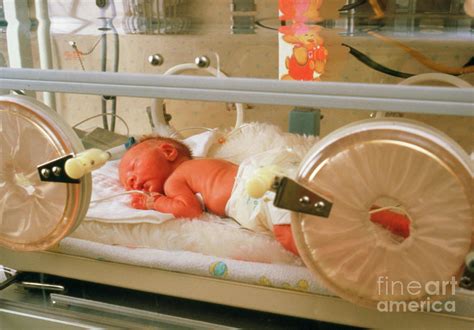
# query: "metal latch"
[[70, 168], [292, 196], [54, 171]]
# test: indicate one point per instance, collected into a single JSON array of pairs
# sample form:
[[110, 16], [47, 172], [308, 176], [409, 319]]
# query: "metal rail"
[[413, 99]]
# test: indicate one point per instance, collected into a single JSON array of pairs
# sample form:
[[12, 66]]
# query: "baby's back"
[[212, 178]]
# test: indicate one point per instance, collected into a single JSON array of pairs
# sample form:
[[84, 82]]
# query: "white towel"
[[281, 276], [105, 184]]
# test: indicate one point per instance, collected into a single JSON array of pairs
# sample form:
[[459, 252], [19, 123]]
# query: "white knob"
[[262, 181], [85, 162]]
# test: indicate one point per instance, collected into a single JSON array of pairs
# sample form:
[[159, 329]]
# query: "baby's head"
[[148, 164]]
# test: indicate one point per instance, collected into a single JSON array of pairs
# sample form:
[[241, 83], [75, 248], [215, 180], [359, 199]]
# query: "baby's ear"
[[169, 151]]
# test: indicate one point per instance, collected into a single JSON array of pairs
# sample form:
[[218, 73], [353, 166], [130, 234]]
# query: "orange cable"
[[423, 59]]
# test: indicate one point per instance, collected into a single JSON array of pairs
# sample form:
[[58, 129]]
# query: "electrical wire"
[[105, 114], [259, 23], [176, 133], [79, 53], [92, 48], [423, 59], [353, 5], [374, 65]]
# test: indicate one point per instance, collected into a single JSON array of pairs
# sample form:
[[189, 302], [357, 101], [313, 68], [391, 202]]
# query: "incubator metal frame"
[[438, 100], [407, 99]]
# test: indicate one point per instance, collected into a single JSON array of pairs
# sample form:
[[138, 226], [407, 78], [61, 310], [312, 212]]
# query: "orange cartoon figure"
[[166, 170], [308, 57], [299, 10]]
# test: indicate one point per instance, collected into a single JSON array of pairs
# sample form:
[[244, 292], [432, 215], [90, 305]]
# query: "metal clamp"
[[53, 171], [467, 280], [292, 196]]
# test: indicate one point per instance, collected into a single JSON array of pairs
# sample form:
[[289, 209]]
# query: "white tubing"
[[18, 35], [435, 76], [432, 76], [2, 64], [44, 45], [157, 114]]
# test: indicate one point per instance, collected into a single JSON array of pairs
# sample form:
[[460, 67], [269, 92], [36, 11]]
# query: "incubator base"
[[222, 292]]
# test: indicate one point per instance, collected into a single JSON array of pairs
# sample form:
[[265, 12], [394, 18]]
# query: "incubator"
[[381, 89]]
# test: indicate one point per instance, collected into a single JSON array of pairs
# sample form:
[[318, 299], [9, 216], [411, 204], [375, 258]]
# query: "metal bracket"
[[292, 196], [243, 5], [243, 24], [467, 280], [53, 171]]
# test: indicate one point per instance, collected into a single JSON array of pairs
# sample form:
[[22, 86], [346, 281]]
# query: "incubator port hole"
[[390, 219]]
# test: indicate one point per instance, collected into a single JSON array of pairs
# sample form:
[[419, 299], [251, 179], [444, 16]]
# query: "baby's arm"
[[179, 199]]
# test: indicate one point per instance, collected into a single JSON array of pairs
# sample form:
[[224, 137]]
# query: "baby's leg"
[[279, 221], [397, 223], [284, 235], [392, 221]]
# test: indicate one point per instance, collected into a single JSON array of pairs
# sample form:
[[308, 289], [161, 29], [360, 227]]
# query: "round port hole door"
[[35, 215], [376, 169]]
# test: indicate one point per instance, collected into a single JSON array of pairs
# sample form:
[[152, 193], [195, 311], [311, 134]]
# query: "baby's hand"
[[143, 202], [139, 201]]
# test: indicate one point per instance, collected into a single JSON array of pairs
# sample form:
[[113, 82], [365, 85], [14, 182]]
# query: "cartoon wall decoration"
[[299, 10], [302, 55]]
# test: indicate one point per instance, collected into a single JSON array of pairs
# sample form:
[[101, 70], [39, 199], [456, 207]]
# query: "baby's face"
[[144, 167]]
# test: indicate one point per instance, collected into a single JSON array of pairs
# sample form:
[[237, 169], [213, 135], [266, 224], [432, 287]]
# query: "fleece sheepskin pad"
[[114, 222], [114, 231]]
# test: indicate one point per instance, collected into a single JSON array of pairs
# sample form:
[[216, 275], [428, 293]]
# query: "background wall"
[[254, 55]]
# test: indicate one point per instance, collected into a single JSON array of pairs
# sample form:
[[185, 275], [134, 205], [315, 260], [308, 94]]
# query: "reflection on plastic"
[[302, 55]]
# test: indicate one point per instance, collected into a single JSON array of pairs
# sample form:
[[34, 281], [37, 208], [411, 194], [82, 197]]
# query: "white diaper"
[[259, 214]]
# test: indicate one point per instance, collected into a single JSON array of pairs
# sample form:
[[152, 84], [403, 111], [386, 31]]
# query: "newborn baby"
[[165, 168]]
